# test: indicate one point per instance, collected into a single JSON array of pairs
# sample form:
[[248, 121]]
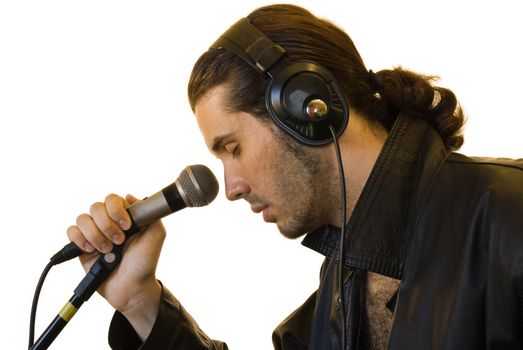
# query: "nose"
[[235, 185]]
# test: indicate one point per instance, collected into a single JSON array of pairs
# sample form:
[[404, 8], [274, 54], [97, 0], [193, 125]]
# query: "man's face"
[[282, 181]]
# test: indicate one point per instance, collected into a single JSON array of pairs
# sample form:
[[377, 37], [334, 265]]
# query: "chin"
[[291, 232]]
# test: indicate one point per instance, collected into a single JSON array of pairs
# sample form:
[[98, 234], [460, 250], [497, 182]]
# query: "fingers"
[[99, 239], [75, 235], [103, 226], [131, 199], [104, 217], [115, 206]]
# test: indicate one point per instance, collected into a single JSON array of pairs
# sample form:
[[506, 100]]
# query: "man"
[[432, 257]]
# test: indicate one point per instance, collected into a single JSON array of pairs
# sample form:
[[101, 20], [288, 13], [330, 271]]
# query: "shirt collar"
[[379, 225]]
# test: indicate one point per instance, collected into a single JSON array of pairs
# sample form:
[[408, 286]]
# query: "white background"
[[93, 101]]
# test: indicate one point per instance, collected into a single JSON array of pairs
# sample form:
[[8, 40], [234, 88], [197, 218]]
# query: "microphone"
[[196, 186]]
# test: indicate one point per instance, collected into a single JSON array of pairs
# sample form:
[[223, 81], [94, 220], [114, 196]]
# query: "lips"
[[267, 216], [265, 212], [258, 208]]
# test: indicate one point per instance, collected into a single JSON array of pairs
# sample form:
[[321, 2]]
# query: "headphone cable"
[[342, 236]]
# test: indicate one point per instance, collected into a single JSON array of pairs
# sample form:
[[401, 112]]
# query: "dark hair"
[[378, 97]]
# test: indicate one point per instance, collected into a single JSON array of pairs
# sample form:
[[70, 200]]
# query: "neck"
[[360, 146]]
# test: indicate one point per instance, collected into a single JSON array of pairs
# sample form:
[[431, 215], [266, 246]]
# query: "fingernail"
[[123, 224], [118, 238]]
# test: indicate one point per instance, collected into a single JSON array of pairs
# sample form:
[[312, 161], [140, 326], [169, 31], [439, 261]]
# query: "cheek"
[[261, 157], [260, 153], [261, 169]]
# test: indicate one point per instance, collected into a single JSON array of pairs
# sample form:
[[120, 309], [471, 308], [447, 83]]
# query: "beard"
[[305, 182]]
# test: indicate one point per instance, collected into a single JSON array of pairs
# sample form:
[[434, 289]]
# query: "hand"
[[132, 287]]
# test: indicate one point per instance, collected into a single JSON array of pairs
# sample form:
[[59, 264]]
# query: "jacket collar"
[[377, 231]]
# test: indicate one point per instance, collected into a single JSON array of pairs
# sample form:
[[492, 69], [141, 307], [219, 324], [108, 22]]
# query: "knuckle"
[[96, 207], [115, 212], [96, 240], [75, 235], [104, 226], [82, 218], [107, 227], [112, 198], [72, 232], [115, 206]]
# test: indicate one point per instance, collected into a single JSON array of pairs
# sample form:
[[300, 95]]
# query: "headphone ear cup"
[[292, 92], [301, 97], [300, 90]]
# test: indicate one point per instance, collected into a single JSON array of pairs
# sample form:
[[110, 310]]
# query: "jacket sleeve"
[[293, 333], [174, 328]]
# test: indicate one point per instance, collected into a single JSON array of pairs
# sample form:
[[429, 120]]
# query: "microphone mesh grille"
[[199, 184]]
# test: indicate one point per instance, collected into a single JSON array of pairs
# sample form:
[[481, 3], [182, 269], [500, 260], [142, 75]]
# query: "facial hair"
[[306, 183]]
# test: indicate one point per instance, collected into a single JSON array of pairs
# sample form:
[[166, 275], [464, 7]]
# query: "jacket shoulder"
[[516, 164]]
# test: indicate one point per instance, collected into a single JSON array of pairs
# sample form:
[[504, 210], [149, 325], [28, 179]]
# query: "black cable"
[[36, 296], [342, 236]]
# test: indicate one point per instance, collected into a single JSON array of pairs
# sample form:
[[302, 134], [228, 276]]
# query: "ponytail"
[[400, 90]]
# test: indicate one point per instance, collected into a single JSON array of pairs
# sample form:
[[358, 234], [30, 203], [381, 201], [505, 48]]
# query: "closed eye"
[[233, 148]]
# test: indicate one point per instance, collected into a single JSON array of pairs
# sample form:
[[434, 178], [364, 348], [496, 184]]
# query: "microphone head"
[[199, 185]]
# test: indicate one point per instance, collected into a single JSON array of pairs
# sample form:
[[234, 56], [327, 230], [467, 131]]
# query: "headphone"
[[301, 97]]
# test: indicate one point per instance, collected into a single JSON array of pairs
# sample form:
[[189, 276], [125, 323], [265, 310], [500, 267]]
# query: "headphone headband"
[[247, 42], [301, 97]]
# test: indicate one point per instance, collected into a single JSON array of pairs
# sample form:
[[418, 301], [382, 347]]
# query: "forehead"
[[219, 125], [215, 120]]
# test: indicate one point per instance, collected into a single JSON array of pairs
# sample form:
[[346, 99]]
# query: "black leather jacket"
[[450, 227]]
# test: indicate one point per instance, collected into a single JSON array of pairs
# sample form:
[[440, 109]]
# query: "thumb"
[[131, 199]]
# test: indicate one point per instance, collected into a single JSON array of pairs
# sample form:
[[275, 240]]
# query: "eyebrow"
[[219, 142]]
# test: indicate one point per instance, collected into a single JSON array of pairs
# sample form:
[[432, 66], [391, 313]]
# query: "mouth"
[[258, 208], [267, 217]]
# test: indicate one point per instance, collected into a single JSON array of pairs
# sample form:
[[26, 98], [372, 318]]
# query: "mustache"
[[253, 199]]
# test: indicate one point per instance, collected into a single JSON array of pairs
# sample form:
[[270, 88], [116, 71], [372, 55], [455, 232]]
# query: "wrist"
[[142, 310]]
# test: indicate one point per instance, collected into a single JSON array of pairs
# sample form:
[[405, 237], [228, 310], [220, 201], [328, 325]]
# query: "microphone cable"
[[68, 252], [53, 261], [342, 236]]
